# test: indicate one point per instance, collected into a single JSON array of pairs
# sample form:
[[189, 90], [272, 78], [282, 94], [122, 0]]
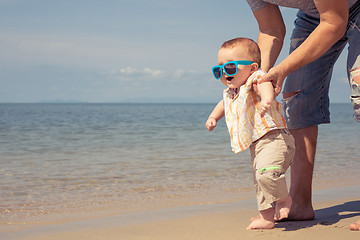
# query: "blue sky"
[[121, 51]]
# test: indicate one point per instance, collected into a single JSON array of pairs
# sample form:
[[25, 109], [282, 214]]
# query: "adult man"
[[322, 29]]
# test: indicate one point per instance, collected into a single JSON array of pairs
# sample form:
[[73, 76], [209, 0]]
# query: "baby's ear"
[[254, 67]]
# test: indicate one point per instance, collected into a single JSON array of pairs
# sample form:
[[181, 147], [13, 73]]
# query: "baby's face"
[[244, 71]]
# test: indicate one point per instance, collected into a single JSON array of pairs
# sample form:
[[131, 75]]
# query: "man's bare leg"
[[302, 172]]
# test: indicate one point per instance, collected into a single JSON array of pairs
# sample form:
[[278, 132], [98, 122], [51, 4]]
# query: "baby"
[[254, 120]]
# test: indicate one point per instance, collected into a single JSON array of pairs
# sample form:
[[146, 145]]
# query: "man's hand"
[[276, 77]]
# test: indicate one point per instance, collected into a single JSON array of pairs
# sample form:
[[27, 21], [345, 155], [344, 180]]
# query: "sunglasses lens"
[[230, 69], [217, 72]]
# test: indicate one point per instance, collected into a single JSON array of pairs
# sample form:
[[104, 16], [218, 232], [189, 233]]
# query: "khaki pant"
[[271, 156]]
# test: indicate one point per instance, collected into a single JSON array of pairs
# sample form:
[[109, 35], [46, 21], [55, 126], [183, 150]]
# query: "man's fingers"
[[263, 79]]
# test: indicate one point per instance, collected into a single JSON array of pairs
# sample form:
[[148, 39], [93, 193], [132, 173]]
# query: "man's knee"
[[355, 73], [355, 92]]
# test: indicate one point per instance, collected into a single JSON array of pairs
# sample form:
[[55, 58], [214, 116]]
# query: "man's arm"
[[333, 22], [271, 34]]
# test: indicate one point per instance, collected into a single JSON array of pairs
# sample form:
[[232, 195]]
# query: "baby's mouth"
[[229, 79]]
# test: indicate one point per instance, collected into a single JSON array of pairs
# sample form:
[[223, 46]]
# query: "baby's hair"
[[253, 50]]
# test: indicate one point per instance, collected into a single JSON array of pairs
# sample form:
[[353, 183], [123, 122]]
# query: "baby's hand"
[[210, 124], [264, 106]]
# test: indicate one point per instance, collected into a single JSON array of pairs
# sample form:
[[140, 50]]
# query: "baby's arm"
[[266, 93], [215, 116]]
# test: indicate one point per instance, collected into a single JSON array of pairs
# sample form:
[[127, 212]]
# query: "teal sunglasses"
[[230, 68]]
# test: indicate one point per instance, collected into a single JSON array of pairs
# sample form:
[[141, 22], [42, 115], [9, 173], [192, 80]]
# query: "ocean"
[[58, 158]]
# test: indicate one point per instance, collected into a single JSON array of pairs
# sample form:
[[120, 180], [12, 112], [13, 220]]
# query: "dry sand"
[[335, 209]]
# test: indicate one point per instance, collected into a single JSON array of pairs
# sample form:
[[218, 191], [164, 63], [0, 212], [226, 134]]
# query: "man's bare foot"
[[264, 221], [261, 224], [300, 212], [282, 208], [355, 226]]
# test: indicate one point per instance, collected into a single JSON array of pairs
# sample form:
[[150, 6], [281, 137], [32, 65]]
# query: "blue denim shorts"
[[310, 105]]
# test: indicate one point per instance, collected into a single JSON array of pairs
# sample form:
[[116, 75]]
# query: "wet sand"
[[335, 208]]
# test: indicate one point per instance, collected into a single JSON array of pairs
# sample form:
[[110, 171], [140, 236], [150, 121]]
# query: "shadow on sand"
[[326, 216]]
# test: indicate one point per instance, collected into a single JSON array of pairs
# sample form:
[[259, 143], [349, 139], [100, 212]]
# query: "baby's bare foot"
[[255, 218], [264, 221], [261, 223], [282, 208]]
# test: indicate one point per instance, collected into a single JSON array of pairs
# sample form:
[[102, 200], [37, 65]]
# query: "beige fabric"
[[271, 156]]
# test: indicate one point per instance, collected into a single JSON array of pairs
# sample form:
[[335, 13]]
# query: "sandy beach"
[[336, 209]]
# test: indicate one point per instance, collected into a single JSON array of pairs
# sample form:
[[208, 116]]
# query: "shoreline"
[[335, 209]]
